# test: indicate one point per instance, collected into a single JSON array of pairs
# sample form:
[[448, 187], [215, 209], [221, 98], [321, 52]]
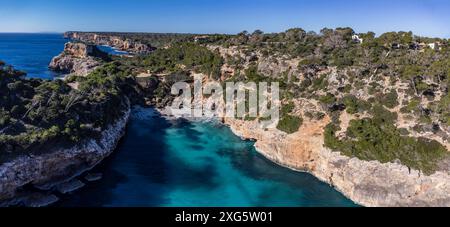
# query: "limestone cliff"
[[77, 58], [46, 170], [366, 183]]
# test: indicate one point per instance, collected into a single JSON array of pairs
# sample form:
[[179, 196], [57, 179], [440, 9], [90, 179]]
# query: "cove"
[[172, 163]]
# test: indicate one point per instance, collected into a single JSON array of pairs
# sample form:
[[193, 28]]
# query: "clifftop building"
[[357, 39]]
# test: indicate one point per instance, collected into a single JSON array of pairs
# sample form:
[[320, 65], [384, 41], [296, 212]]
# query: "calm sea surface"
[[31, 53]]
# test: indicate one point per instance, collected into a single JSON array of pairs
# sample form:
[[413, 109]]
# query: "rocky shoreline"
[[115, 41], [47, 171], [366, 183]]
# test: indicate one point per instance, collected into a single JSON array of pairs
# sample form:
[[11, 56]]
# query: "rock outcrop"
[[116, 41], [44, 171], [78, 58], [270, 66], [366, 183]]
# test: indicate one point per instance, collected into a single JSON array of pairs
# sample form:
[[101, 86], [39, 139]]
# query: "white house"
[[357, 39], [201, 38], [432, 45]]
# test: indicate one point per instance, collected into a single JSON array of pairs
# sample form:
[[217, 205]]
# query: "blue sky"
[[423, 17]]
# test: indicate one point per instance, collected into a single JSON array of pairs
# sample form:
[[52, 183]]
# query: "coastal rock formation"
[[47, 170], [363, 182], [77, 58], [115, 41]]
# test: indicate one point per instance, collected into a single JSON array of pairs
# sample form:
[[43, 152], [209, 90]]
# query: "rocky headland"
[[78, 58], [115, 41], [55, 169]]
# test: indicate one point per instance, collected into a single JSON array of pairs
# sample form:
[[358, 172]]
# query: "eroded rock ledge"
[[366, 183], [57, 166]]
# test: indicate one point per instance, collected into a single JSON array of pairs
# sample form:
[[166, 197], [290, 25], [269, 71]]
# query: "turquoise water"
[[175, 163], [31, 53], [112, 51], [182, 163]]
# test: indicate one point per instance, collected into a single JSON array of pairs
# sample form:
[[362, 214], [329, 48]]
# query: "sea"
[[173, 162]]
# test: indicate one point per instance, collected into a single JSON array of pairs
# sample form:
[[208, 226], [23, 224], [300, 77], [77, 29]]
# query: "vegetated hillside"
[[38, 114], [387, 96]]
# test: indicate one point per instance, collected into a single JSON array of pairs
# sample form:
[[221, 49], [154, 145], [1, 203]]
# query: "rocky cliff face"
[[366, 183], [77, 58], [46, 170], [117, 42]]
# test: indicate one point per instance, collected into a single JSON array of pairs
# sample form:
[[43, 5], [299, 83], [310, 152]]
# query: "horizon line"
[[215, 33]]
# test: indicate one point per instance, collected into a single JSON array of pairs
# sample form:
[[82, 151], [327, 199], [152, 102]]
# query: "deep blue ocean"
[[31, 53], [170, 163]]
